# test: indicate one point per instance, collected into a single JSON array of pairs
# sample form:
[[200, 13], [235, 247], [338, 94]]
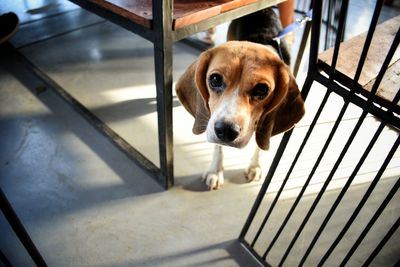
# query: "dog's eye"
[[216, 82], [260, 91]]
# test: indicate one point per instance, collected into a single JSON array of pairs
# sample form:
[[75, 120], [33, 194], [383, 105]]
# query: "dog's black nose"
[[226, 131]]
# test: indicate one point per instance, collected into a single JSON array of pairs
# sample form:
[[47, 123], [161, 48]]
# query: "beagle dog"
[[235, 90]]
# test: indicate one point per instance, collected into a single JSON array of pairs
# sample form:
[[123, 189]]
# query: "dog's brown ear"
[[287, 109], [192, 91]]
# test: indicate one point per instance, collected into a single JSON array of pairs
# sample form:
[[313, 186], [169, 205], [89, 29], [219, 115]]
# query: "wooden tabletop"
[[185, 12], [349, 56]]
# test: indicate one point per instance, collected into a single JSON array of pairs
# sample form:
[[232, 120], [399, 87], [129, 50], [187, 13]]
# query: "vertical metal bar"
[[304, 38], [339, 34], [344, 27], [362, 202], [367, 43], [19, 230], [315, 34], [371, 222], [382, 243], [162, 26], [302, 47], [328, 24]]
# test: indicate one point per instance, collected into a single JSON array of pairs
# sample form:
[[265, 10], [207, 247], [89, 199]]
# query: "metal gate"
[[335, 200]]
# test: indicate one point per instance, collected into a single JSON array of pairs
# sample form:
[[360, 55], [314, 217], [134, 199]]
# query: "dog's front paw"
[[214, 180], [253, 173]]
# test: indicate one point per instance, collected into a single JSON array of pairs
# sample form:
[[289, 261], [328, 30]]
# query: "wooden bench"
[[164, 22], [348, 60]]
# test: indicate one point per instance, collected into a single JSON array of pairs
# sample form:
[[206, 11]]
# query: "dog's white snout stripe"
[[231, 120]]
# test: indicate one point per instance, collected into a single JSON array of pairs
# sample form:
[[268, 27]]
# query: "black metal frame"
[[163, 37], [21, 233], [389, 117]]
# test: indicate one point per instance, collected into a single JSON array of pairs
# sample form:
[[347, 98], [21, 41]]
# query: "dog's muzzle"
[[226, 131]]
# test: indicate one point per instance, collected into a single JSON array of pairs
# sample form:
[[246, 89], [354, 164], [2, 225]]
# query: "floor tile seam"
[[50, 16], [60, 34]]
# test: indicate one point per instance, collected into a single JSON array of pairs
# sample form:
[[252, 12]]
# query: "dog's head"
[[237, 89]]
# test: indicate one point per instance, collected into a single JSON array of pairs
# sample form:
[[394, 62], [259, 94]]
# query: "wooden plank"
[[350, 52], [138, 11], [390, 83], [192, 11], [186, 12]]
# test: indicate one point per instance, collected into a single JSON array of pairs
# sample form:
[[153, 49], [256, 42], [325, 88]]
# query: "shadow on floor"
[[139, 185]]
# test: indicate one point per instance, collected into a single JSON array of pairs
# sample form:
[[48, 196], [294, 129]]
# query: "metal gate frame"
[[387, 115]]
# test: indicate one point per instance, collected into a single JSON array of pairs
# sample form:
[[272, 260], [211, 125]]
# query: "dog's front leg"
[[253, 172], [214, 177]]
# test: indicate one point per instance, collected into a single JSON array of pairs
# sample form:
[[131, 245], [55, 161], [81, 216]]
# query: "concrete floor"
[[83, 201]]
